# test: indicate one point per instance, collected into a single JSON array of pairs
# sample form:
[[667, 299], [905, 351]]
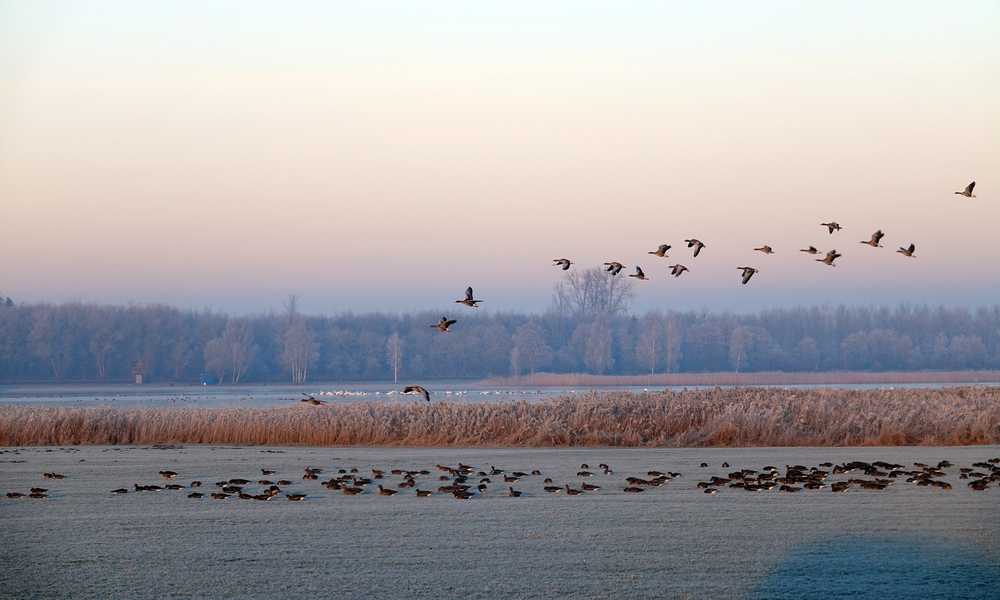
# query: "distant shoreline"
[[748, 379], [724, 378]]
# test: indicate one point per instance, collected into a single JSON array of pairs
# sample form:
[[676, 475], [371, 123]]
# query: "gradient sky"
[[384, 155]]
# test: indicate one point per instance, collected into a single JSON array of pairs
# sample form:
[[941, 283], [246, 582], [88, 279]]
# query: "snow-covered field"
[[669, 541]]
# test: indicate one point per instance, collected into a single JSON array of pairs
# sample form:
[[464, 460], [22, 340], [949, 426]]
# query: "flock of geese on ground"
[[616, 267], [465, 482]]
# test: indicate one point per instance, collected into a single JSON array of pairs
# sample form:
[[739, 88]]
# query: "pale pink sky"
[[385, 158]]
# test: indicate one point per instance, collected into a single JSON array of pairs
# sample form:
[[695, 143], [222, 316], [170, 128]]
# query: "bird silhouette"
[[661, 251], [696, 244], [748, 272], [875, 239], [765, 249], [469, 299], [418, 389], [831, 256], [967, 192], [313, 401], [677, 270], [907, 251], [639, 274], [832, 226], [810, 250], [444, 324], [614, 267], [562, 263]]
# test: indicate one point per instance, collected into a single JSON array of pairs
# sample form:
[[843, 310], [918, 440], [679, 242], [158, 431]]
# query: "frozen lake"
[[670, 541], [263, 396]]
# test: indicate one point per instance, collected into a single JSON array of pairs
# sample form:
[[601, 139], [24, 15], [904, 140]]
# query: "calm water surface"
[[673, 541]]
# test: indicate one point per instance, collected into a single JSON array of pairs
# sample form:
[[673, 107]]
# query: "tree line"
[[588, 330]]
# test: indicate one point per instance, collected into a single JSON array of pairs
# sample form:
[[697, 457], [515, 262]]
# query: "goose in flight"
[[661, 251], [765, 249], [313, 401], [418, 389], [639, 274], [677, 270], [748, 272], [908, 251], [614, 267], [562, 263], [831, 256], [444, 324], [967, 192], [469, 300], [696, 244], [810, 250], [876, 238], [832, 226]]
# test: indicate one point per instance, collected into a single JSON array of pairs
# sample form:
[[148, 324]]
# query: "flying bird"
[[765, 249], [748, 272], [418, 389], [639, 274], [832, 226], [831, 256], [444, 324], [562, 263], [908, 251], [312, 400], [661, 251], [876, 238], [677, 270], [810, 250], [967, 192], [614, 267], [696, 244], [469, 300]]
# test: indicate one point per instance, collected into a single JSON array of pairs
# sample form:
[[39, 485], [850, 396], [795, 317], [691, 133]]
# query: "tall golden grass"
[[738, 417], [752, 378]]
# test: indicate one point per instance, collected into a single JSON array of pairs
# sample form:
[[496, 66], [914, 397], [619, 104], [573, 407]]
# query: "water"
[[673, 541], [262, 396]]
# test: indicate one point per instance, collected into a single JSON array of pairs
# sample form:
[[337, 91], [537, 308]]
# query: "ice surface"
[[673, 541]]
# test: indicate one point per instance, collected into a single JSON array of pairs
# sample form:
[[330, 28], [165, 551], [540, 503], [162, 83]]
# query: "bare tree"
[[394, 350], [597, 354], [532, 351], [739, 342], [299, 350], [647, 345], [672, 343], [515, 361], [239, 346], [592, 293], [216, 357]]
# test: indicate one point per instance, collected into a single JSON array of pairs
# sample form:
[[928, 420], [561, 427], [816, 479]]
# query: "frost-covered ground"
[[672, 541]]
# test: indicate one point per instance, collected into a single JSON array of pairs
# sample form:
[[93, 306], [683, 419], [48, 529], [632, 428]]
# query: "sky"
[[385, 155]]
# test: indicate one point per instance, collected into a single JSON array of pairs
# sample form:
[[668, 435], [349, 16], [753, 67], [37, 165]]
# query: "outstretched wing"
[[468, 293], [970, 187]]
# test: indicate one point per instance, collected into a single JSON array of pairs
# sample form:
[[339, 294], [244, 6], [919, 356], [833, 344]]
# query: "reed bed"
[[737, 417]]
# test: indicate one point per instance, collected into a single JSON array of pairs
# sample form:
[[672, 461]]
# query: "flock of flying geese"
[[616, 267], [465, 482]]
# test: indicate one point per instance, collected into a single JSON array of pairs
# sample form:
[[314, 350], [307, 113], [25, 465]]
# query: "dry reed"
[[739, 417]]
